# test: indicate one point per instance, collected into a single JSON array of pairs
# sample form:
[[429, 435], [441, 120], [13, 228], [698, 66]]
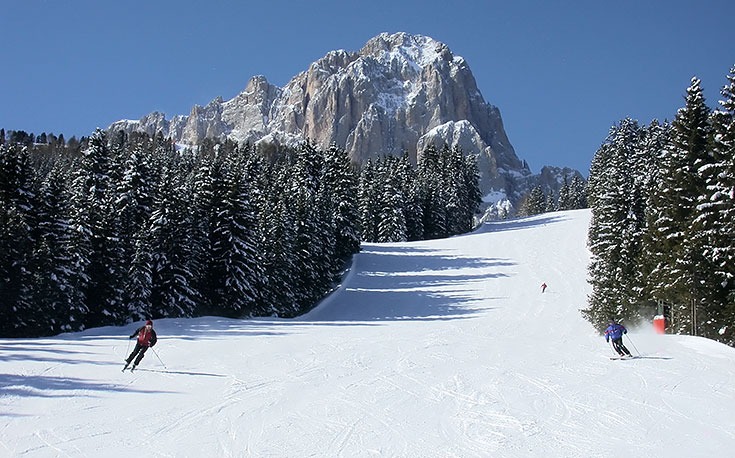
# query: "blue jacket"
[[615, 331]]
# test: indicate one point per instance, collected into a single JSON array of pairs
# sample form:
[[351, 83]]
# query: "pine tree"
[[202, 203], [97, 259], [139, 286], [412, 209], [471, 194], [132, 211], [673, 244], [616, 231], [565, 196], [236, 233], [134, 193], [535, 203], [17, 315], [453, 186], [368, 202], [170, 228], [433, 195], [55, 298], [277, 245], [578, 190], [714, 215], [392, 221], [211, 235], [313, 226], [722, 192], [340, 182], [549, 205]]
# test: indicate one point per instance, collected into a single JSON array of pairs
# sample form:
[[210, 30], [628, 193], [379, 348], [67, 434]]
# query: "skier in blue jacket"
[[615, 332]]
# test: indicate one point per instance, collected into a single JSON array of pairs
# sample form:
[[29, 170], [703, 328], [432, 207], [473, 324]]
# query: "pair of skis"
[[642, 357]]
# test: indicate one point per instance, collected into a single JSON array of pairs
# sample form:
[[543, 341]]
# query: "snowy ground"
[[444, 348]]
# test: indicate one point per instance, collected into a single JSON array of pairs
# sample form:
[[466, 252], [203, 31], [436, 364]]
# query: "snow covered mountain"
[[428, 349], [398, 93]]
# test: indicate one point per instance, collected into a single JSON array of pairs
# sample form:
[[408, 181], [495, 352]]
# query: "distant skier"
[[543, 287], [146, 339], [615, 332]]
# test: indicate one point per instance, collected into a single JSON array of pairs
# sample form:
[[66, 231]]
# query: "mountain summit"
[[399, 93]]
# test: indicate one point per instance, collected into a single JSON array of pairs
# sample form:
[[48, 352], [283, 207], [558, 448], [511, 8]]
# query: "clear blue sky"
[[560, 72]]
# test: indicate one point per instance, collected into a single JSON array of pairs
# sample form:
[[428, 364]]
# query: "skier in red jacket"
[[146, 339]]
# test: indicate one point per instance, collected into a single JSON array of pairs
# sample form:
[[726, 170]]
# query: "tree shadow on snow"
[[395, 282], [43, 386], [49, 353], [217, 327], [168, 371], [518, 224]]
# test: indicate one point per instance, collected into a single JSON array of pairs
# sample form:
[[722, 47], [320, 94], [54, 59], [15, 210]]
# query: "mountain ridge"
[[398, 93]]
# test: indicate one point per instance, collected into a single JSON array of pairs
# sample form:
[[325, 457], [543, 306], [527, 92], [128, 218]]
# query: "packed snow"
[[444, 348]]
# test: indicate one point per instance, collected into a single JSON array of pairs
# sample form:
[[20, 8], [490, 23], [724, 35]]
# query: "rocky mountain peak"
[[417, 49], [396, 94], [257, 84], [334, 61]]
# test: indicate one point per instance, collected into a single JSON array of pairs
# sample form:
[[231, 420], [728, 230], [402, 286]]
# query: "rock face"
[[398, 93]]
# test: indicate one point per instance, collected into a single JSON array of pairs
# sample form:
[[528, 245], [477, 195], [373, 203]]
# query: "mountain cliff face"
[[399, 93]]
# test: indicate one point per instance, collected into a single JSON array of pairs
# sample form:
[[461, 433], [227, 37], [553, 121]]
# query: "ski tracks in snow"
[[443, 348]]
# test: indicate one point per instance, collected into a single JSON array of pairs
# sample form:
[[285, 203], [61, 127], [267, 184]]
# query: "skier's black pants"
[[138, 350], [617, 345]]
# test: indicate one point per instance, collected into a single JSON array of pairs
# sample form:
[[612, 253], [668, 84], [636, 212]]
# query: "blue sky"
[[561, 72]]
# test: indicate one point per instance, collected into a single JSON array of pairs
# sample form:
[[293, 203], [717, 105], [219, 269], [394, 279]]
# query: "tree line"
[[128, 227], [662, 235], [44, 143], [437, 198], [572, 196]]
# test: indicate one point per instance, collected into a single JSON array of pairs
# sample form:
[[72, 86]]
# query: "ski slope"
[[442, 348]]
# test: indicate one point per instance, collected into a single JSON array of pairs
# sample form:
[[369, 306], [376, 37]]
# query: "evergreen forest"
[[112, 228], [662, 235]]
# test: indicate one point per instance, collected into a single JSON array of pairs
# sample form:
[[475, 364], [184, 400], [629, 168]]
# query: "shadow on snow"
[[520, 223], [408, 282], [44, 386]]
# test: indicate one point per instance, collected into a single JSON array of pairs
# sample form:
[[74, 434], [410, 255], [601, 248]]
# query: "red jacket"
[[146, 337]]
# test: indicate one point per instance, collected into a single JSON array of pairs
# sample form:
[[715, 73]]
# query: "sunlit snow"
[[444, 348]]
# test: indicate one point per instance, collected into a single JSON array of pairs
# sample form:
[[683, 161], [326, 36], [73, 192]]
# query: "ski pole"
[[631, 342], [127, 349], [159, 358]]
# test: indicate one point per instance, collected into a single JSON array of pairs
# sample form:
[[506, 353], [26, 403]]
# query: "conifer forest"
[[112, 229], [662, 234]]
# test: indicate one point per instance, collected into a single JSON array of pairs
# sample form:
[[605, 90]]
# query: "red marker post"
[[659, 324]]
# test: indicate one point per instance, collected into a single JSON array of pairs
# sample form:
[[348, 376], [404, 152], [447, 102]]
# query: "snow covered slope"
[[443, 348]]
